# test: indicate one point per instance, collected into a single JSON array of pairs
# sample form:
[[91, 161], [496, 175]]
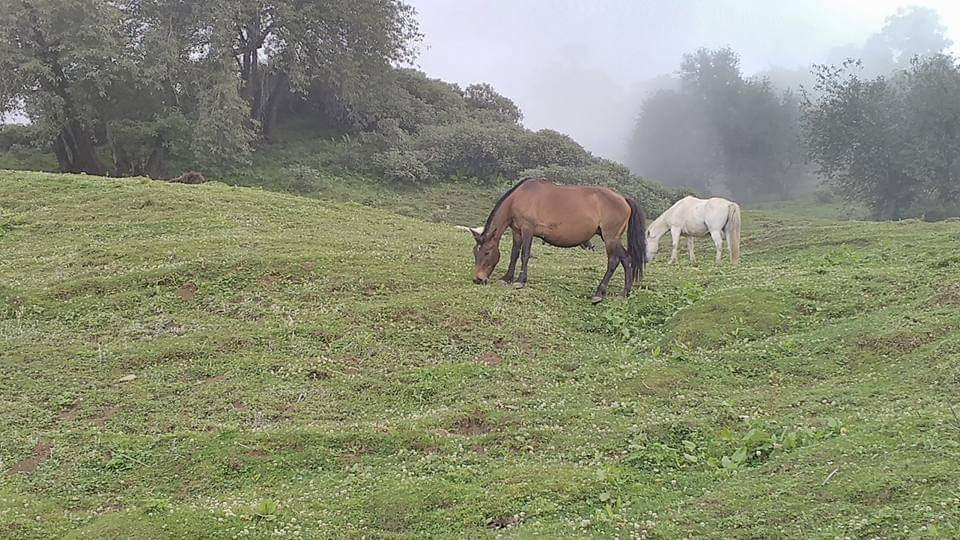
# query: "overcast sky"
[[574, 66]]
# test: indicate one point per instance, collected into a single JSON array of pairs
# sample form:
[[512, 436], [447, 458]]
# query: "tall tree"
[[281, 46], [137, 78], [59, 58], [912, 31], [855, 132], [719, 128]]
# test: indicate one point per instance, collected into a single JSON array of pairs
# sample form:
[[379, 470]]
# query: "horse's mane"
[[486, 226]]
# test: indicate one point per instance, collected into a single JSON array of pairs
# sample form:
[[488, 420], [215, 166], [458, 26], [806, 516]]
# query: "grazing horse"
[[692, 217], [563, 216]]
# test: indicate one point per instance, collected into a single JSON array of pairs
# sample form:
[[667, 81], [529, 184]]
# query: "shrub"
[[548, 147], [484, 151], [652, 197], [399, 166], [20, 138], [824, 196], [299, 179]]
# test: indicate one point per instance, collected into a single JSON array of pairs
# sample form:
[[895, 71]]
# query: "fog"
[[583, 67]]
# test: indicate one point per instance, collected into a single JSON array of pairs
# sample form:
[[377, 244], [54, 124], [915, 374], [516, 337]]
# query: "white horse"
[[693, 217]]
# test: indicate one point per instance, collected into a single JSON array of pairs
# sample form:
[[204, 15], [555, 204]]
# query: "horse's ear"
[[476, 231]]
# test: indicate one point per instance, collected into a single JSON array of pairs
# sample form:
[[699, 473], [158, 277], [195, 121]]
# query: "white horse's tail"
[[732, 229]]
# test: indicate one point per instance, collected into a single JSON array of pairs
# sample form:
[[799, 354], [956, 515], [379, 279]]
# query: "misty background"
[[584, 68], [757, 101]]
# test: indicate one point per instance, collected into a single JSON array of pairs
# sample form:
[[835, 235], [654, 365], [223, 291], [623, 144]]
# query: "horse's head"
[[653, 244], [486, 254]]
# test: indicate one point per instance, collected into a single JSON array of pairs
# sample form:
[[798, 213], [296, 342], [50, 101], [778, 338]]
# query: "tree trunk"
[[278, 91], [888, 210], [154, 166], [75, 150]]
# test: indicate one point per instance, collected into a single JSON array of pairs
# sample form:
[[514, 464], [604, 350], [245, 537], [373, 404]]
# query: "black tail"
[[636, 238]]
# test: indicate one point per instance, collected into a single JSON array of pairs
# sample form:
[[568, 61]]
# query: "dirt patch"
[[948, 296], [41, 453], [351, 362], [239, 406], [899, 343], [164, 327], [355, 454], [456, 323], [878, 495], [490, 358], [105, 414], [529, 345], [187, 291], [309, 266], [502, 522], [318, 375], [70, 414], [267, 281], [471, 425]]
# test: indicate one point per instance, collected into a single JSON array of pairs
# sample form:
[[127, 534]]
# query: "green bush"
[[299, 179], [20, 138], [548, 147], [471, 149], [400, 167], [654, 198], [824, 196]]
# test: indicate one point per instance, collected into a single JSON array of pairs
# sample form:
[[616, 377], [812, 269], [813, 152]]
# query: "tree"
[[673, 142], [719, 128], [910, 32], [930, 92], [482, 97], [855, 132], [59, 57], [286, 45], [139, 79], [891, 143]]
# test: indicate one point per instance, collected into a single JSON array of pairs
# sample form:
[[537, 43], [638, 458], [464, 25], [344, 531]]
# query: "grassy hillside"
[[219, 362], [301, 160]]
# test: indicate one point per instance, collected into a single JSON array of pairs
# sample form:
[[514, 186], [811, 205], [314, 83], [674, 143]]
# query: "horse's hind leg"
[[526, 243], [614, 249], [514, 255], [628, 271], [693, 260], [718, 241]]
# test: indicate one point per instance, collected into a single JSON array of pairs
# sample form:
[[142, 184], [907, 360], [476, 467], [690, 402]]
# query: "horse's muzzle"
[[480, 281]]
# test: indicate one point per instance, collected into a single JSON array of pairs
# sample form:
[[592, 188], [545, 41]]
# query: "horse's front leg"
[[526, 243], [514, 255], [675, 235], [718, 241]]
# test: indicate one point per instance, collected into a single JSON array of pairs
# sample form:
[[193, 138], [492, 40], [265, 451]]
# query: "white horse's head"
[[653, 244]]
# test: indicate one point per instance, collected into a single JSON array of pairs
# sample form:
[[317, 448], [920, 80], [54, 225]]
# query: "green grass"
[[311, 368]]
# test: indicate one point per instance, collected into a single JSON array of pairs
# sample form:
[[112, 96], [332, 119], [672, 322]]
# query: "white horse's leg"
[[675, 234], [693, 260], [718, 241]]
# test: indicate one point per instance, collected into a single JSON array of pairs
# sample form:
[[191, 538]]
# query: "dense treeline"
[[883, 132], [119, 86], [891, 143], [148, 87], [719, 129]]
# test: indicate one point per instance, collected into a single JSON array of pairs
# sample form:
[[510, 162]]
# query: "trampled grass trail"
[[218, 362]]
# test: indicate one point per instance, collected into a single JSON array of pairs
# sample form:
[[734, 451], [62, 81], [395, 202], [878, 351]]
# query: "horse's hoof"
[[596, 299], [519, 285]]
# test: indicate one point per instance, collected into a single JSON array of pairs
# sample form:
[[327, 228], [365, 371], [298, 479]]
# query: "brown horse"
[[563, 216]]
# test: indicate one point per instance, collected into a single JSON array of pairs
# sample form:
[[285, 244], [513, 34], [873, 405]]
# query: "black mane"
[[486, 226]]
